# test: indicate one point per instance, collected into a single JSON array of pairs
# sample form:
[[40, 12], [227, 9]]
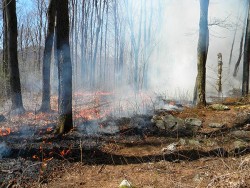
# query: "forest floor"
[[213, 157]]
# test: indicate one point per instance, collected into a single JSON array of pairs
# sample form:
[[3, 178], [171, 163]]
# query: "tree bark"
[[245, 79], [65, 68], [5, 51], [15, 85], [236, 68], [47, 57], [202, 51]]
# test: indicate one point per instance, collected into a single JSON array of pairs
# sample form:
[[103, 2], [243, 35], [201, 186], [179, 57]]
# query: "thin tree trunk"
[[105, 46], [83, 28], [245, 79], [47, 57], [236, 68], [202, 51], [93, 69]]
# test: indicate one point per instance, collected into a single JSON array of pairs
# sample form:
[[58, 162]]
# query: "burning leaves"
[[5, 131], [46, 156], [65, 152], [49, 129], [91, 114]]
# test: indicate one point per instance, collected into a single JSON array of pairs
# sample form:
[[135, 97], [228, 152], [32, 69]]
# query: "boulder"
[[160, 124], [217, 125], [193, 121], [219, 107], [173, 123], [193, 124]]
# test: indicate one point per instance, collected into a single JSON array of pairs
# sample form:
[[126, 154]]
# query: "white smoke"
[[175, 63], [4, 150]]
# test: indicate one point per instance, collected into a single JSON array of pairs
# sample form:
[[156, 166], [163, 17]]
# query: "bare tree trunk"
[[101, 44], [116, 42], [93, 69], [245, 79], [47, 57], [121, 55], [202, 51], [90, 60], [236, 68], [76, 43], [82, 61], [65, 68], [105, 45], [40, 28], [5, 50], [15, 85]]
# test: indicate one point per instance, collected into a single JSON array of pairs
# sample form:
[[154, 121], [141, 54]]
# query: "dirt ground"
[[211, 158], [205, 172]]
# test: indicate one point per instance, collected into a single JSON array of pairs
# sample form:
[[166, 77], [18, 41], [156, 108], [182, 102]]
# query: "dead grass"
[[206, 172]]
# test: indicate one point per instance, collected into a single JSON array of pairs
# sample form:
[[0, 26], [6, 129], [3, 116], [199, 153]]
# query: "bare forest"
[[124, 93]]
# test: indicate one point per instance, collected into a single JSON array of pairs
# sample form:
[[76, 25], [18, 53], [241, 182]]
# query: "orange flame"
[[35, 157], [65, 152], [47, 159], [5, 132], [49, 129]]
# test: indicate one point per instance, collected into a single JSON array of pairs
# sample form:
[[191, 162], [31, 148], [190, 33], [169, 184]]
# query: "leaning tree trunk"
[[47, 57], [245, 80], [15, 85], [202, 51], [65, 68], [236, 67]]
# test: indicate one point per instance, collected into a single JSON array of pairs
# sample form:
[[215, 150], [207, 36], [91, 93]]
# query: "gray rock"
[[160, 124], [156, 117], [170, 148], [168, 122], [137, 122], [219, 107], [194, 142], [182, 142], [217, 125], [193, 122], [173, 123]]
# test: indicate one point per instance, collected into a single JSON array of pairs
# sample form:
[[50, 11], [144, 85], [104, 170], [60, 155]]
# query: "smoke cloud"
[[175, 64], [4, 150]]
